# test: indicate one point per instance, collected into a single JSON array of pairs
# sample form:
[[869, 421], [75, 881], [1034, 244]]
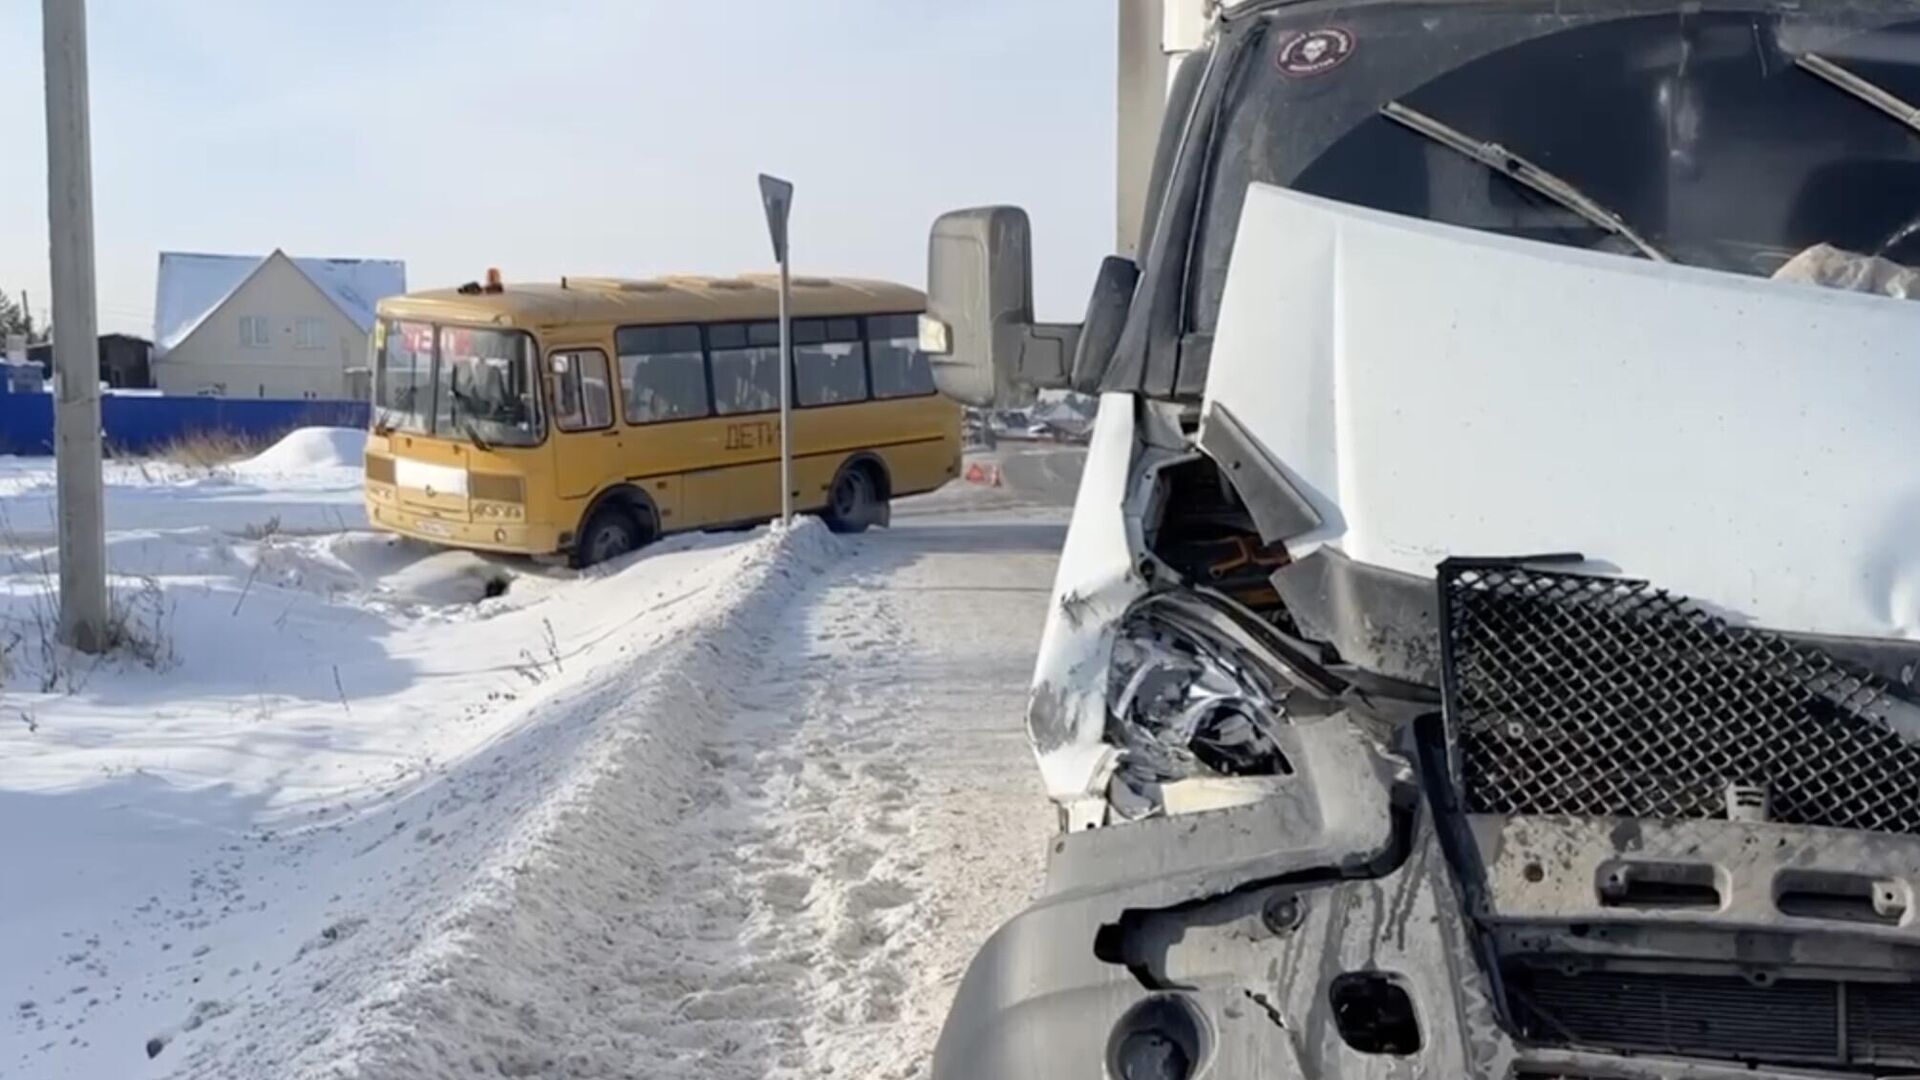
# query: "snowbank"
[[374, 822], [311, 482], [491, 951], [309, 448]]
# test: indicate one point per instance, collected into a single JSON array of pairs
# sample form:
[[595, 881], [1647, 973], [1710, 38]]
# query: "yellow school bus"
[[587, 417]]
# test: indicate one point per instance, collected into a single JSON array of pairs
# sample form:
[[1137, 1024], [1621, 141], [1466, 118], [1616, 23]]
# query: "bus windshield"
[[457, 383]]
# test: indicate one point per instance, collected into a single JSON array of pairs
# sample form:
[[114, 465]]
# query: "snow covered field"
[[741, 806]]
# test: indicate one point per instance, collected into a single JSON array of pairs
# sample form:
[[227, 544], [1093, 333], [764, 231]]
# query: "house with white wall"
[[273, 327]]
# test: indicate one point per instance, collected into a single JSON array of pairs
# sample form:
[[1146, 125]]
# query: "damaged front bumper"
[[1277, 862]]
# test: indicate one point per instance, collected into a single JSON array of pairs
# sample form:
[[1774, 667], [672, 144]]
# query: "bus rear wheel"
[[852, 501], [613, 531]]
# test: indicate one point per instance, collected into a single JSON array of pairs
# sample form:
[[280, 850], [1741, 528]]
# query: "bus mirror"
[[984, 345]]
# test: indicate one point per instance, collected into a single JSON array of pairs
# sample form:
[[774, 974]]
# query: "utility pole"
[[76, 367], [776, 196]]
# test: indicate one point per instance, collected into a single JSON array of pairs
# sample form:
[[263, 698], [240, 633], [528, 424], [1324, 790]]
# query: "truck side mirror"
[[979, 332], [1106, 316]]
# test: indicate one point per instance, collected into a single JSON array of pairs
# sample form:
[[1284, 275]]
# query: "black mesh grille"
[[1574, 694], [1726, 1017]]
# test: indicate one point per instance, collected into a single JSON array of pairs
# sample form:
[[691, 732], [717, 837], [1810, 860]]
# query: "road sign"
[[776, 195]]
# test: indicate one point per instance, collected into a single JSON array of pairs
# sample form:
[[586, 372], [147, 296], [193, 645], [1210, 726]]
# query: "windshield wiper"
[[466, 425], [1523, 172], [1878, 97]]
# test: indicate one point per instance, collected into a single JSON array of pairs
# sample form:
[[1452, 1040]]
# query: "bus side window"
[[900, 369], [830, 362], [582, 392], [746, 367], [663, 373]]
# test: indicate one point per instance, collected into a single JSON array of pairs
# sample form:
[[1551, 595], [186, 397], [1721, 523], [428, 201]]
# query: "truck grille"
[[1788, 1022], [1574, 694]]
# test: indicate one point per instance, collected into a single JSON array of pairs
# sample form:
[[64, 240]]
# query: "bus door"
[[587, 453]]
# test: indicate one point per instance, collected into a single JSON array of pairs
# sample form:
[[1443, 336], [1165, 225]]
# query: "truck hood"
[[1433, 391]]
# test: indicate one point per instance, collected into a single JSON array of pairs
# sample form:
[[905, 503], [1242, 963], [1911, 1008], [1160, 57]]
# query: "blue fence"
[[138, 425]]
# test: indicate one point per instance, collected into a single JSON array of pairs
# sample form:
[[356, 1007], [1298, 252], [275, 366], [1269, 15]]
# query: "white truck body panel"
[[1437, 391]]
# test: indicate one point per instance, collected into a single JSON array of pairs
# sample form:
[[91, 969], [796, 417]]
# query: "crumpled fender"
[[1095, 583]]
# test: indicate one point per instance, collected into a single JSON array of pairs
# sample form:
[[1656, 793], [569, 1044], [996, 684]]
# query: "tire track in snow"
[[904, 819], [835, 880], [605, 940]]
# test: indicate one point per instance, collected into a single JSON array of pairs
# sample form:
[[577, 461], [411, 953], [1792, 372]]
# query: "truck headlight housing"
[[1192, 695]]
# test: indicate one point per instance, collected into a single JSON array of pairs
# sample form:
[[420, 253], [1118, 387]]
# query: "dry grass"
[[210, 449]]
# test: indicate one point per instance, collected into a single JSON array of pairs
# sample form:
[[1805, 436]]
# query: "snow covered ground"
[[741, 806]]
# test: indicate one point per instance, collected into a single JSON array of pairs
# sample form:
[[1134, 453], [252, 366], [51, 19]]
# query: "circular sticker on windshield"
[[1315, 52]]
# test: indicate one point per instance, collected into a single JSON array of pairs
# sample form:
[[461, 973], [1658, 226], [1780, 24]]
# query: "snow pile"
[[523, 864], [563, 960], [743, 805], [310, 482], [307, 449], [321, 763], [449, 578]]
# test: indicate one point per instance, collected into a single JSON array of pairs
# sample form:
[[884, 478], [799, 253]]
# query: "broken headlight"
[[1195, 705]]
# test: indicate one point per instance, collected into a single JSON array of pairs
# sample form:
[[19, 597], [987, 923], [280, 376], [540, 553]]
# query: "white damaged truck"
[[1486, 640]]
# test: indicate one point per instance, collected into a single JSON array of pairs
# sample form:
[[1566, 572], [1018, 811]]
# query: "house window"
[[253, 331], [307, 334]]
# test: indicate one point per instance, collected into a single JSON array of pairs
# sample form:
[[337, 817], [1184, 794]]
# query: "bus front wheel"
[[612, 532], [853, 501]]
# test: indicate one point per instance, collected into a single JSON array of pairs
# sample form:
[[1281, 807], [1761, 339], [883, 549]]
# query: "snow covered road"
[[742, 807], [787, 875]]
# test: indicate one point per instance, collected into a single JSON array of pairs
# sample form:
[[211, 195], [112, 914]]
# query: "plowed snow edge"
[[556, 961]]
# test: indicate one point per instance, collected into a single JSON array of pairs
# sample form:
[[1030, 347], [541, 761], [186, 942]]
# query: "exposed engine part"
[[1205, 532]]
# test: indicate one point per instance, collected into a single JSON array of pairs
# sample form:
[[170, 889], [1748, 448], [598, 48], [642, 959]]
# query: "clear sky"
[[553, 137]]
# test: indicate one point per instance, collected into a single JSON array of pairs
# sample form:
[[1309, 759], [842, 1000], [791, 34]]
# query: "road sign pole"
[[786, 397], [776, 196], [76, 367]]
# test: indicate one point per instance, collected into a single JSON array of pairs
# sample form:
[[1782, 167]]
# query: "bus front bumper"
[[513, 538]]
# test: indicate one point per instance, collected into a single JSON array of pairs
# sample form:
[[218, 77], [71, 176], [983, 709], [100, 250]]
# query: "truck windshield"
[[456, 383], [1704, 130]]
